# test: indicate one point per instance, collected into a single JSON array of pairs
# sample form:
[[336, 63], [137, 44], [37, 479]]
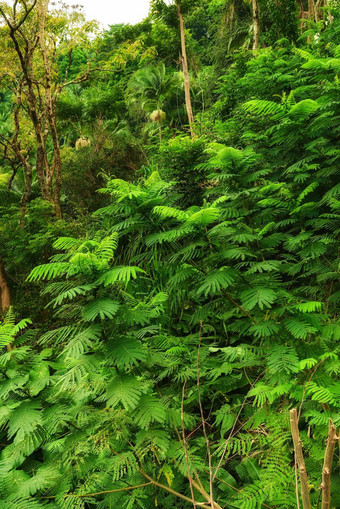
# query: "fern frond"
[[122, 273], [125, 390], [217, 280], [149, 410], [261, 107], [102, 308], [48, 271]]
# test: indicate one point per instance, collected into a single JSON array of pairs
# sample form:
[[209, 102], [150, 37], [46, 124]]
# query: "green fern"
[[124, 390], [102, 308], [124, 274]]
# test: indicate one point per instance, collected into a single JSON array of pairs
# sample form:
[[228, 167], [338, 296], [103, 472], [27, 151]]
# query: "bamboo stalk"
[[300, 459], [327, 466]]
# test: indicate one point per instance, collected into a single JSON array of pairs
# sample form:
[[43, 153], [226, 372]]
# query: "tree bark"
[[42, 112], [311, 9], [317, 13], [230, 22], [5, 294], [256, 23], [51, 99], [300, 459], [302, 15], [185, 70], [231, 16], [327, 466], [40, 92], [26, 195]]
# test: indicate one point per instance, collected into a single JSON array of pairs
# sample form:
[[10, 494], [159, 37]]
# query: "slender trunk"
[[42, 166], [55, 171], [302, 15], [317, 13], [198, 486], [24, 159], [299, 459], [256, 23], [185, 70], [311, 9], [56, 161], [27, 194], [330, 17], [5, 294], [327, 466], [230, 22], [231, 16], [43, 116]]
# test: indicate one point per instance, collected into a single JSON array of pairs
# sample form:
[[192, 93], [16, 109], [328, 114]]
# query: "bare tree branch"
[[300, 459], [327, 466]]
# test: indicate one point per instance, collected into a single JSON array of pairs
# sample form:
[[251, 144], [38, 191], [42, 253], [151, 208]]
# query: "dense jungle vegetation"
[[169, 256]]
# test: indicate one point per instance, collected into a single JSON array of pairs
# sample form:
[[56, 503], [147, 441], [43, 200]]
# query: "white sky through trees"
[[111, 12]]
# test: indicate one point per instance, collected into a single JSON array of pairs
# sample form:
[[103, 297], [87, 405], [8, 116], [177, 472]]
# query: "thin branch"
[[78, 79], [128, 488], [232, 430], [163, 486], [300, 459], [211, 479], [306, 387], [239, 491], [185, 446], [296, 483], [14, 172], [327, 466], [27, 13], [70, 61], [198, 486], [240, 307], [173, 492], [15, 10]]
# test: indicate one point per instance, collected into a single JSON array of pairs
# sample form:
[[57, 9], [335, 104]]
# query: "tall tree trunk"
[[42, 115], [26, 195], [302, 15], [5, 294], [319, 14], [231, 16], [231, 22], [51, 113], [311, 9], [256, 23], [24, 159], [56, 159], [185, 70]]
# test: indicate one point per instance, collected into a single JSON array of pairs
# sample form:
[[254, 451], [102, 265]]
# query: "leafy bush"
[[178, 325], [179, 159]]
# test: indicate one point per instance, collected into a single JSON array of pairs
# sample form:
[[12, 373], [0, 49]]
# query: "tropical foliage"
[[187, 300]]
